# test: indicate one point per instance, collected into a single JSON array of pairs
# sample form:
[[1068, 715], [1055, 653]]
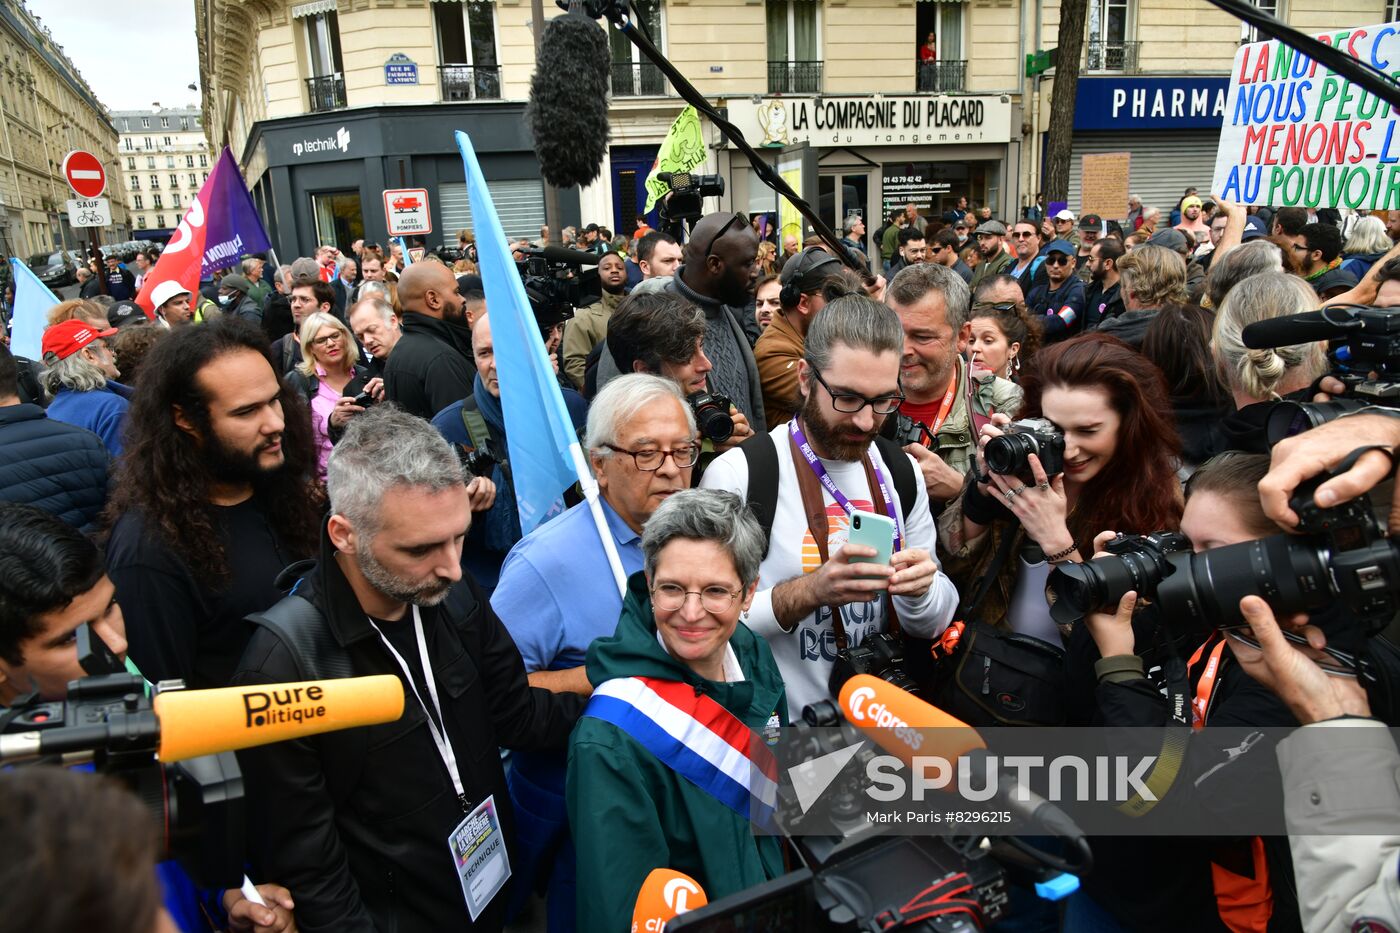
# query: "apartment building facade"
[[46, 110], [863, 104], [165, 158]]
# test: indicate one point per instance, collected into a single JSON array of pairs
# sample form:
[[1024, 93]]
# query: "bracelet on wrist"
[[1059, 556]]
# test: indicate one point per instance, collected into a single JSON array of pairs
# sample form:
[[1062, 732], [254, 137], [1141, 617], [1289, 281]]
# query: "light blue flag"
[[539, 432], [32, 303], [403, 248]]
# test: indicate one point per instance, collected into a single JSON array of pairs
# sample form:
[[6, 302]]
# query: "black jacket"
[[355, 823], [58, 467], [277, 316], [431, 366]]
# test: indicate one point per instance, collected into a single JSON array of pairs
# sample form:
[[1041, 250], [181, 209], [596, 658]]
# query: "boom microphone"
[[568, 107], [1306, 327], [185, 724], [894, 718], [665, 895]]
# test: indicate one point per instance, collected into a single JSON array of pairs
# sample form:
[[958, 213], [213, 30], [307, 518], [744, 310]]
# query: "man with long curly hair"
[[214, 498]]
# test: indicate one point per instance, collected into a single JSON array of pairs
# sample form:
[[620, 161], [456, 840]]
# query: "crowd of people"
[[320, 449]]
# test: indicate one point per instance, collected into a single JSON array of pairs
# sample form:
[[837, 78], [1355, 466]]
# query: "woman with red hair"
[[1005, 534]]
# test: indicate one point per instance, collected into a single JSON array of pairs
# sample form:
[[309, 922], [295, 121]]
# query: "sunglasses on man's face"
[[1055, 259]]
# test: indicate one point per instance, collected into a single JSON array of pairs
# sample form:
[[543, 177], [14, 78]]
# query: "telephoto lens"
[[1134, 562], [1289, 418]]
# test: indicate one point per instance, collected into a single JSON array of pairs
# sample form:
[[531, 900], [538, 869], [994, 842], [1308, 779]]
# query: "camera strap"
[[879, 489], [1205, 687], [814, 505]]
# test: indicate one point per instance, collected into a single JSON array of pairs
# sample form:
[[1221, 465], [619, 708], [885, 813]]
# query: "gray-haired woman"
[[679, 687]]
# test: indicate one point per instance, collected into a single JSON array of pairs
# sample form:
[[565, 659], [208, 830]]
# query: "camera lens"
[[1098, 584], [1205, 589], [1289, 418], [714, 424], [1007, 453]]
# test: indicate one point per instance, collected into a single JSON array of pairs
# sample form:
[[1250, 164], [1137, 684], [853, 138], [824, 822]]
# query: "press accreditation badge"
[[479, 853]]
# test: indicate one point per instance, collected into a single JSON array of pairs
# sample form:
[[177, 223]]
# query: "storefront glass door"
[[339, 221], [844, 193]]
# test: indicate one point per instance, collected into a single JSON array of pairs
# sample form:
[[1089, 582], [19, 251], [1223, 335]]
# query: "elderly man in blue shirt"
[[557, 593]]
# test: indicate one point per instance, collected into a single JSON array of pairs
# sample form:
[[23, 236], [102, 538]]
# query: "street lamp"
[[53, 191]]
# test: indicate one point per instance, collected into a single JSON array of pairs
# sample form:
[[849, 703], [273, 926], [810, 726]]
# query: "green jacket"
[[629, 812], [987, 268], [890, 243], [957, 439]]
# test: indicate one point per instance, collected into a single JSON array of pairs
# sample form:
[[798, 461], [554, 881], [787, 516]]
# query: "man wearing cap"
[[1059, 300], [121, 284], [1192, 224], [235, 300], [172, 304], [126, 314], [80, 379], [991, 243], [783, 341], [1064, 226], [962, 229], [1090, 228]]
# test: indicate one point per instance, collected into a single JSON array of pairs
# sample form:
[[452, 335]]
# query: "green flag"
[[681, 150]]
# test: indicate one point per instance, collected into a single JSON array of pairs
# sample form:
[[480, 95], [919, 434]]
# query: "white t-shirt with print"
[[805, 654]]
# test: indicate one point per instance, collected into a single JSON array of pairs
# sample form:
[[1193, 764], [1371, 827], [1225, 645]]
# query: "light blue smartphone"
[[875, 531]]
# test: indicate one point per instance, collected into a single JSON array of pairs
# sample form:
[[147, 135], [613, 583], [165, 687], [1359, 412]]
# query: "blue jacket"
[[58, 467], [101, 411]]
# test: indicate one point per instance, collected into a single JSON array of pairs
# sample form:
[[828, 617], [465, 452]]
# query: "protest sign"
[[1298, 134], [1103, 183]]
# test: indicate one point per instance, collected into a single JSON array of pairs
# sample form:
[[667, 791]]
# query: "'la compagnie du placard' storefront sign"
[[872, 121]]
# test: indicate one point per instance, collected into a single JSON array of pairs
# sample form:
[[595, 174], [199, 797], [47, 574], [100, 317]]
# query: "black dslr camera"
[[683, 202], [555, 286], [712, 418], [1342, 557], [880, 656], [1139, 563], [1008, 453]]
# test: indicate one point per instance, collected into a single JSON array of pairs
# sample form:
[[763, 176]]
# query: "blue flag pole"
[[545, 455]]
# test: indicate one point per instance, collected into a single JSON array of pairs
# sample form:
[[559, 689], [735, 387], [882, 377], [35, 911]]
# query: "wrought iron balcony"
[[469, 82], [942, 76], [1111, 56], [637, 79], [794, 77], [326, 92]]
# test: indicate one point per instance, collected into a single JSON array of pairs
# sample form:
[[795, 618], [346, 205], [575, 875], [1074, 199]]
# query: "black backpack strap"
[[761, 496], [299, 625], [903, 475]]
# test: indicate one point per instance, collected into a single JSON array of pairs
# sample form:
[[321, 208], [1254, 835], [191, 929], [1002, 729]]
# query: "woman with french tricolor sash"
[[661, 766]]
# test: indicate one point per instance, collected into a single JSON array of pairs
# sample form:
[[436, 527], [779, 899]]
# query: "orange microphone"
[[204, 722], [894, 718], [665, 894]]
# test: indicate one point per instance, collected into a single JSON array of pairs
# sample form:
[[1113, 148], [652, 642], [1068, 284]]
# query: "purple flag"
[[232, 227]]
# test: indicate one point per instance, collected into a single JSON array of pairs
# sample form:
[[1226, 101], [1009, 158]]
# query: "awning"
[[312, 8]]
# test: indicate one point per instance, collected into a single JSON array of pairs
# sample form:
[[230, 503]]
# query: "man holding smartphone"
[[817, 472]]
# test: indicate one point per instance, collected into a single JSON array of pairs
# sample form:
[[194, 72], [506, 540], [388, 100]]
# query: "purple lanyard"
[[824, 478]]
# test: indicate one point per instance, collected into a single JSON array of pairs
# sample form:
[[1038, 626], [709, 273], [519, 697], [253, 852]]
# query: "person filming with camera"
[[820, 477]]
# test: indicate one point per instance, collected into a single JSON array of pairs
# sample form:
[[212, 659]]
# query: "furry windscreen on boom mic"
[[568, 109]]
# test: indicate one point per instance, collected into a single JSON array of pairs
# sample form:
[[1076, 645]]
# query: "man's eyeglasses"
[[1056, 259], [1022, 235], [741, 219], [849, 403], [670, 597], [649, 459]]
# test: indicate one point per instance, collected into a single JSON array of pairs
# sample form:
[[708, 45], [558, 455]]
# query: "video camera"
[[555, 281], [108, 718], [683, 201], [1341, 556], [1363, 347]]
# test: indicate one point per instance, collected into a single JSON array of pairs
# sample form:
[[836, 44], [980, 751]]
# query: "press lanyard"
[[829, 485], [444, 747], [947, 405], [1206, 685]]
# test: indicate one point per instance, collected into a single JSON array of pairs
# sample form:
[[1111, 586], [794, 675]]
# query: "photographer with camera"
[[804, 292], [1096, 449], [1122, 645], [52, 583], [811, 479], [944, 402], [476, 427], [658, 332]]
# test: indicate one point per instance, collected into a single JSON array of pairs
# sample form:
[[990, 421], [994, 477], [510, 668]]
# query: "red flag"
[[182, 258]]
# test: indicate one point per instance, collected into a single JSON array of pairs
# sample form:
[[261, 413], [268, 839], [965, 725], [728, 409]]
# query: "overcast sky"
[[130, 54]]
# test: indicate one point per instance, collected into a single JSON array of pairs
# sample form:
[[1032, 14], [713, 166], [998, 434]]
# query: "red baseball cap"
[[66, 338]]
